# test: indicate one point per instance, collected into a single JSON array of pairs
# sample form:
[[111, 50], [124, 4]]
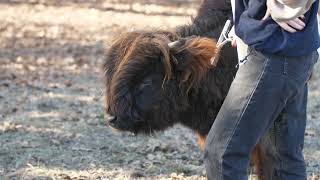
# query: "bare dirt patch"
[[51, 107]]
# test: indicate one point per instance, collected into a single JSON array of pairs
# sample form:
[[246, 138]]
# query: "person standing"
[[269, 91]]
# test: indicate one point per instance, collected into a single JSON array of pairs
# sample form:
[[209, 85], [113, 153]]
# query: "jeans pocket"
[[251, 69]]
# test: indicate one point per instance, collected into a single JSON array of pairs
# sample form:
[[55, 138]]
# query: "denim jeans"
[[268, 91]]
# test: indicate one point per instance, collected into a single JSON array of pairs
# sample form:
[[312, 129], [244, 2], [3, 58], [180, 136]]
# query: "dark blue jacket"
[[268, 37]]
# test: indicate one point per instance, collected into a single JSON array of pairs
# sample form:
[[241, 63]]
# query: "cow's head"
[[148, 78]]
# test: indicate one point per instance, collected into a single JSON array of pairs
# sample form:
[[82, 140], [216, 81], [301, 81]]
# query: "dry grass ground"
[[51, 108]]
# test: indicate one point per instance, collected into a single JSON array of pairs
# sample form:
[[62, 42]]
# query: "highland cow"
[[151, 86]]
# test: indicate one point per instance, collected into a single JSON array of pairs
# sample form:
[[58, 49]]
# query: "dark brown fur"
[[150, 86]]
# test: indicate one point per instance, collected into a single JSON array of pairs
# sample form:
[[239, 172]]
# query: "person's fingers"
[[234, 42], [300, 22], [296, 24], [268, 13], [286, 27], [302, 17]]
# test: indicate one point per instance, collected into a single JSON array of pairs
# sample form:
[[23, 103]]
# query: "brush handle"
[[224, 33]]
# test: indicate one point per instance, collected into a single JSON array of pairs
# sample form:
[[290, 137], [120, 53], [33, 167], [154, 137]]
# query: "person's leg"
[[258, 94], [287, 132], [254, 100], [288, 138]]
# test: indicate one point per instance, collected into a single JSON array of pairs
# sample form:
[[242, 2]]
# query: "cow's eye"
[[144, 84]]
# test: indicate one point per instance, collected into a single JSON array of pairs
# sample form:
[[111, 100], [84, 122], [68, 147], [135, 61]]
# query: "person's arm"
[[284, 10]]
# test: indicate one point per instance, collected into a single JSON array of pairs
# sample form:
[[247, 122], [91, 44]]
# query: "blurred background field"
[[51, 95]]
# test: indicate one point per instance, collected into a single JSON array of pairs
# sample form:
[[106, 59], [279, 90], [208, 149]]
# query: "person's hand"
[[232, 35], [291, 26]]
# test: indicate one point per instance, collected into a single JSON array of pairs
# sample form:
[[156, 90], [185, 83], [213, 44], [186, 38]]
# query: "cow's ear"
[[193, 58]]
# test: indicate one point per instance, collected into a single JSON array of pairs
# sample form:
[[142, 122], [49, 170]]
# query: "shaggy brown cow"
[[151, 86]]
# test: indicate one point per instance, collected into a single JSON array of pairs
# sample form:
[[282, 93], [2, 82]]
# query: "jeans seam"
[[238, 120]]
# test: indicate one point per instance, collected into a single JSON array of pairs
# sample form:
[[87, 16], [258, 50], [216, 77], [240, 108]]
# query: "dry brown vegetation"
[[51, 109]]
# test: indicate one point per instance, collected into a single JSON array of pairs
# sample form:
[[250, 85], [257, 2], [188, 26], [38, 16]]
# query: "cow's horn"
[[173, 44]]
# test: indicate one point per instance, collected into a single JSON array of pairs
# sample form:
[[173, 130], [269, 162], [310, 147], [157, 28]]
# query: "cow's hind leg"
[[201, 141], [263, 161], [257, 162]]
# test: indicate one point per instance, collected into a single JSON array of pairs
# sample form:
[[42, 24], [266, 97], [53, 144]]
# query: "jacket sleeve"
[[282, 10]]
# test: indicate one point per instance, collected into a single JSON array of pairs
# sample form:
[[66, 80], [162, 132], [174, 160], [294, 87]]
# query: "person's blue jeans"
[[268, 91]]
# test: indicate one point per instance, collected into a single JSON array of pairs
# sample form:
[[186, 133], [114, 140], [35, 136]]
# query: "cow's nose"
[[111, 120]]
